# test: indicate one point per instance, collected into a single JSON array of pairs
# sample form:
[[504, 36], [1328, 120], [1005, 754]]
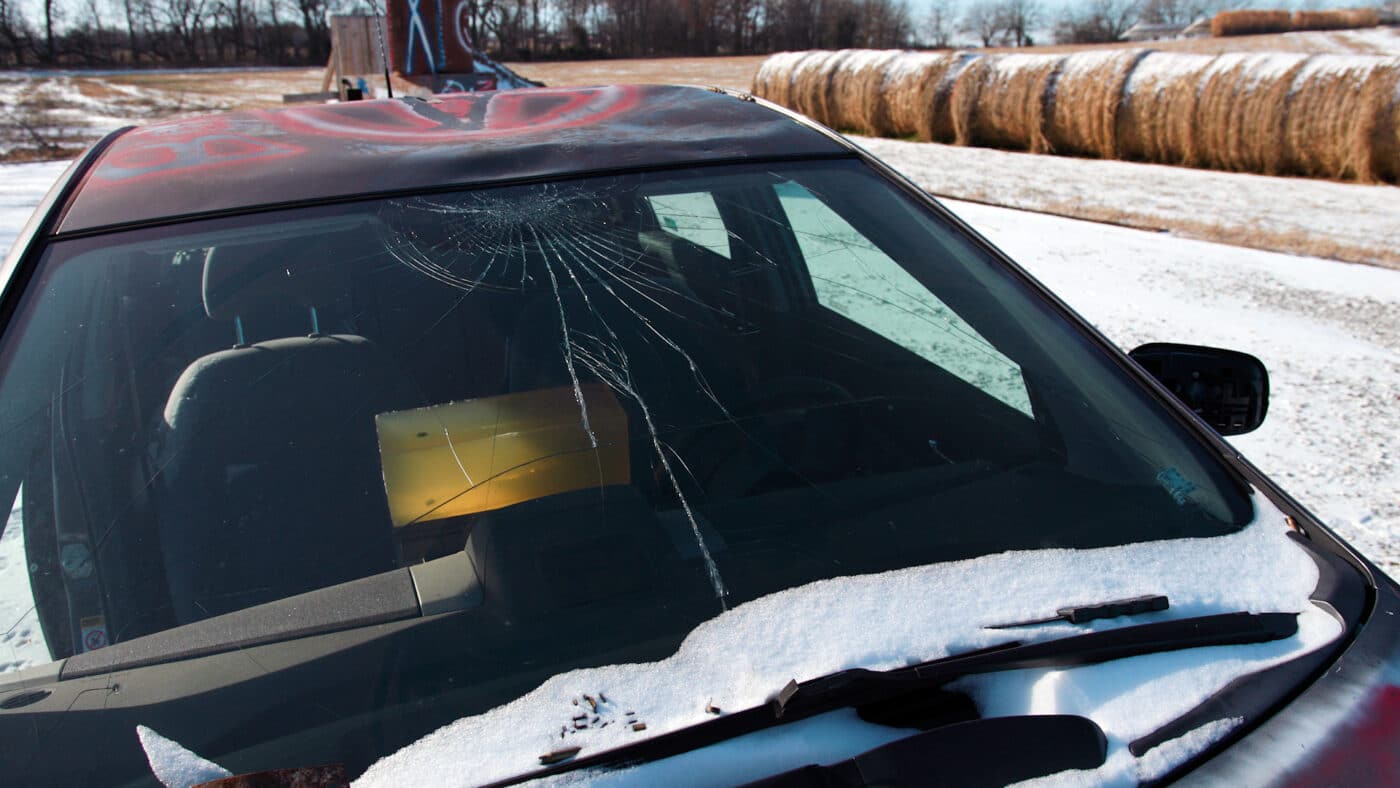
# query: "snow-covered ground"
[[1329, 332], [1355, 222]]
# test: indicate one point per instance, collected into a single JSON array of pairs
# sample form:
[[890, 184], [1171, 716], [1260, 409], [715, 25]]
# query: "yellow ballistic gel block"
[[482, 454]]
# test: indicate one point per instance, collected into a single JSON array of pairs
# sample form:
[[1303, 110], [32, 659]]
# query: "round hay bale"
[[1381, 122], [1157, 119], [857, 95], [1250, 22], [1242, 111], [1336, 19], [809, 83], [964, 97], [1086, 100], [1337, 103], [820, 90], [1010, 107], [773, 81], [918, 89]]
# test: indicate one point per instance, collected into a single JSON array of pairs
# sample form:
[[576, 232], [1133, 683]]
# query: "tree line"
[[124, 33]]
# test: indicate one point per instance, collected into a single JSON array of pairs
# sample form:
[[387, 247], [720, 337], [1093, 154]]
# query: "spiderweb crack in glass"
[[564, 236]]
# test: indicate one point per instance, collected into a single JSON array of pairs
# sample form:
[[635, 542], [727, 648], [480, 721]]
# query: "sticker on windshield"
[[94, 632], [1176, 485]]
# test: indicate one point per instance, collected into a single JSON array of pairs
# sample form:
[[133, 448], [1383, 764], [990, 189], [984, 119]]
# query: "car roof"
[[255, 158]]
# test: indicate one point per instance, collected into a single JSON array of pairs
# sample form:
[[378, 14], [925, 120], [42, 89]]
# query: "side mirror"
[[1229, 389]]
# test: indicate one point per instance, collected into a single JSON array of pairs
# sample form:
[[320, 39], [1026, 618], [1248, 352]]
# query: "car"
[[638, 434]]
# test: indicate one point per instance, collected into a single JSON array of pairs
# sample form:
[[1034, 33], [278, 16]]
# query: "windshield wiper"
[[860, 687], [1080, 614]]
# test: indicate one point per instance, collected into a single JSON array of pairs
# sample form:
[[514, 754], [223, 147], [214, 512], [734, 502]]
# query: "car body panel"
[[316, 153]]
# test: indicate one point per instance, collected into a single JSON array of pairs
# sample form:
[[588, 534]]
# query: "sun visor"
[[482, 454]]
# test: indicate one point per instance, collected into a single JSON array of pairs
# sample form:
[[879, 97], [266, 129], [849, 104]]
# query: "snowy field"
[[1348, 221]]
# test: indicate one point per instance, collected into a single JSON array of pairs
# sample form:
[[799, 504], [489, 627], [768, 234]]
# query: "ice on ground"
[[1329, 334], [21, 188], [22, 642], [1242, 208], [1381, 40], [880, 622], [175, 766]]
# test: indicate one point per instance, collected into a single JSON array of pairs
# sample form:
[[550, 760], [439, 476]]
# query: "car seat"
[[270, 481]]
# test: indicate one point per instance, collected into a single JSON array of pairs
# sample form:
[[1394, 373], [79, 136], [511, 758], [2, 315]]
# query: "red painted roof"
[[256, 158]]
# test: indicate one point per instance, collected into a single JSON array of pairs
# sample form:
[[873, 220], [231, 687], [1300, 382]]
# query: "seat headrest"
[[241, 279]]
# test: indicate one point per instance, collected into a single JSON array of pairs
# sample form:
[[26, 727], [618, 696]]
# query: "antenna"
[[383, 58]]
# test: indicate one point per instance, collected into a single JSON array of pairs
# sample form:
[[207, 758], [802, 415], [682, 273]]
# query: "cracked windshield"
[[439, 448]]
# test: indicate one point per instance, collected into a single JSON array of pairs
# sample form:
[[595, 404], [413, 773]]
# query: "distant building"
[[1145, 32], [1197, 29]]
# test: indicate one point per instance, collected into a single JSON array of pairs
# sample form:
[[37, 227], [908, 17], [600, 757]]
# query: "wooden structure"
[[358, 44]]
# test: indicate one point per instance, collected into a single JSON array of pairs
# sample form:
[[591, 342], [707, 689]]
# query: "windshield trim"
[[450, 188]]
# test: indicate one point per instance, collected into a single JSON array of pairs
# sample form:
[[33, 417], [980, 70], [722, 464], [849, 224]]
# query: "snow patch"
[[175, 766], [893, 619]]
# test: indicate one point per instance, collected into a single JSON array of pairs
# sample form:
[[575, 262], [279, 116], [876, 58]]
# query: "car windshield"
[[612, 407]]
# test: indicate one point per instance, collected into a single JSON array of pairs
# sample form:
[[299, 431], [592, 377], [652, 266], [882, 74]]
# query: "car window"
[[853, 277], [694, 217], [477, 439]]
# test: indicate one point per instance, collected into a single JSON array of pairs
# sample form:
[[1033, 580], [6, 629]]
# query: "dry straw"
[[1007, 106], [1250, 23], [1240, 117], [918, 88], [1336, 19], [774, 78], [1340, 118], [859, 99], [1087, 100], [1157, 119]]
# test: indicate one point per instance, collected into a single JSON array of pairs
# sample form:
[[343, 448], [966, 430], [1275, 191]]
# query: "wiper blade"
[[1080, 614], [860, 687]]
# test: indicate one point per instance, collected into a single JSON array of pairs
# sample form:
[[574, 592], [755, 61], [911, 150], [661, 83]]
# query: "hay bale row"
[[1250, 23], [1323, 115], [1336, 19]]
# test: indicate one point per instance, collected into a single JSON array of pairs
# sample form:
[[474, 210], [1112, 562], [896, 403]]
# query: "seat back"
[[270, 472]]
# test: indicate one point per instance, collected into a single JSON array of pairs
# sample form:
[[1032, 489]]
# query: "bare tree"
[[14, 33], [941, 23], [1018, 17], [1098, 21], [51, 15], [983, 19]]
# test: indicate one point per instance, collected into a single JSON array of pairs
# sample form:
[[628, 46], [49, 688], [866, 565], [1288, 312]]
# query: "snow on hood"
[[889, 620], [175, 766]]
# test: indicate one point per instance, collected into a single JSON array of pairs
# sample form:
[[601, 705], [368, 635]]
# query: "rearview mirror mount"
[[1229, 389]]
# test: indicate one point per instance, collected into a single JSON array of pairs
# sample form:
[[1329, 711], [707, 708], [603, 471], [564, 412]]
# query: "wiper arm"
[[860, 687]]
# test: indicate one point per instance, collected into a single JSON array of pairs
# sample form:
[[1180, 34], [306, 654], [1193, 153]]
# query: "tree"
[[983, 20], [941, 24], [14, 33], [1099, 21], [1018, 17]]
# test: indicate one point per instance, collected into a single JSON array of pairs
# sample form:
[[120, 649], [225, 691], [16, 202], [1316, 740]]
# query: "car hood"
[[890, 620]]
